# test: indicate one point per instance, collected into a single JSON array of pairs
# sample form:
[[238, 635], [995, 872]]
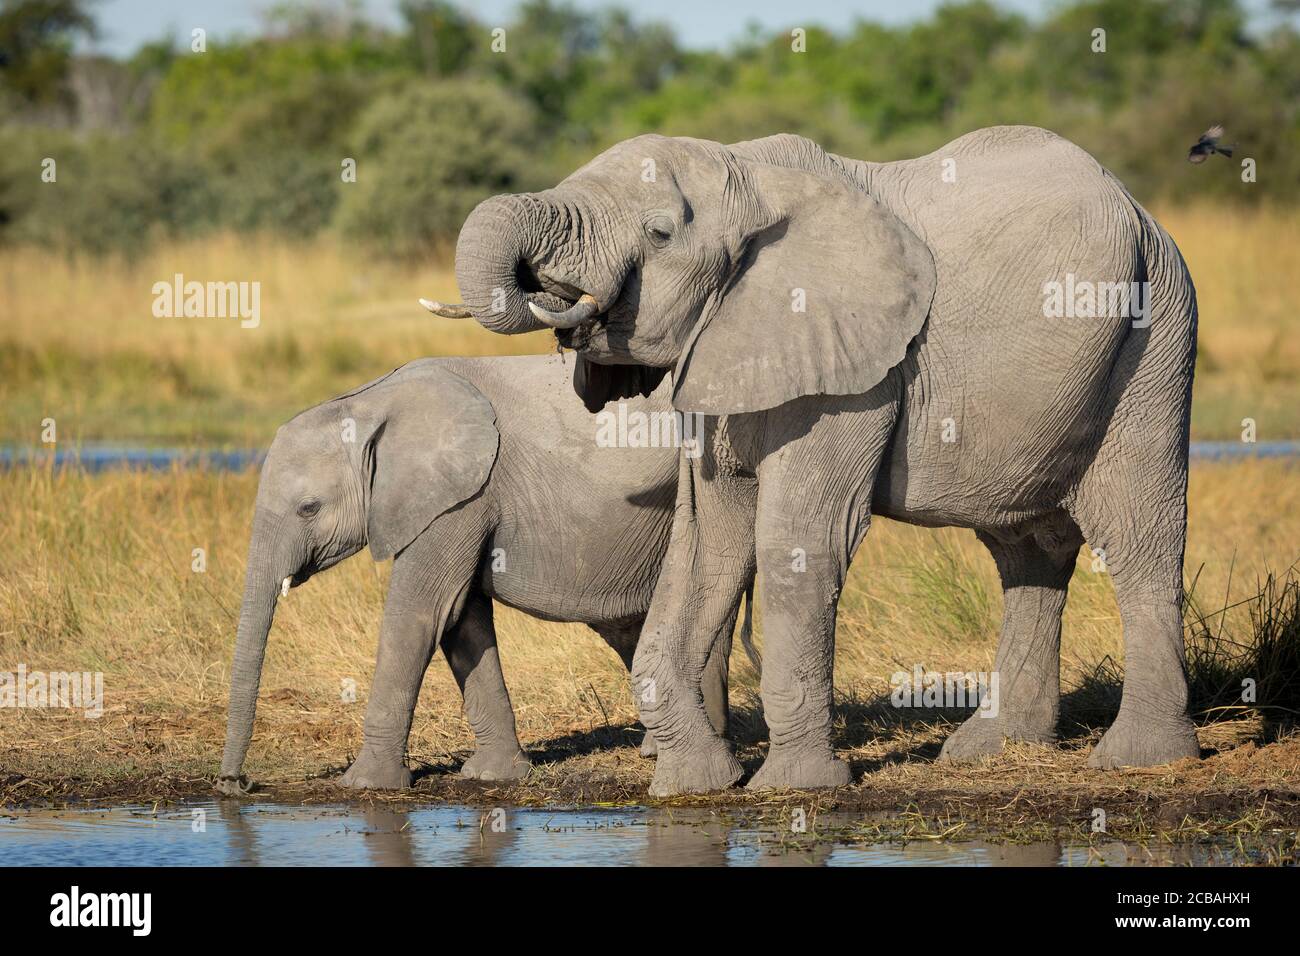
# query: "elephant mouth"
[[579, 339], [620, 313], [312, 566], [560, 302]]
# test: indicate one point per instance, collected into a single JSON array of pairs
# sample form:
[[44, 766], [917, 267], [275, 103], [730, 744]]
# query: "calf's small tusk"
[[446, 310], [284, 585], [581, 312]]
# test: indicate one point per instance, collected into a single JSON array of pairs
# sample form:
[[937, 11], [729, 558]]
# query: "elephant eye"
[[309, 508], [660, 231]]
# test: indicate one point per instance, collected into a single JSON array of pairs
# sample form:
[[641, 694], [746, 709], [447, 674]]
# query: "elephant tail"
[[747, 630]]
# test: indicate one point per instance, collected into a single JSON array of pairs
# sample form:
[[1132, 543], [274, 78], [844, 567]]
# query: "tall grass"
[[80, 343], [1251, 668], [96, 573], [1244, 264]]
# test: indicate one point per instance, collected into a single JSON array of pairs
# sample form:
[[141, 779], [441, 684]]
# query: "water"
[[97, 458], [223, 833]]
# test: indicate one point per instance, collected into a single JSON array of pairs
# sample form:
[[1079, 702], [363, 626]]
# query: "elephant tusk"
[[580, 313], [446, 310], [284, 586]]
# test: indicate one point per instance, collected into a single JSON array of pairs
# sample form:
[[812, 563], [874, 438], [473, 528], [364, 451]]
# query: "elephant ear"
[[829, 291], [597, 384], [430, 443]]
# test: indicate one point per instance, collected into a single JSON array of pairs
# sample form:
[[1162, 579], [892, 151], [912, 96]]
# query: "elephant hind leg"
[[1035, 565], [622, 637], [1131, 504], [471, 650], [1145, 564], [1141, 546], [1132, 509]]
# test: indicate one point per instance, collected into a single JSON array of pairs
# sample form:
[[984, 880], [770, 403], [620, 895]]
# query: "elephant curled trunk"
[[503, 246]]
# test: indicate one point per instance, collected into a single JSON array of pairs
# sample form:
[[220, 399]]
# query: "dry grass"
[[1243, 263], [79, 341], [95, 575]]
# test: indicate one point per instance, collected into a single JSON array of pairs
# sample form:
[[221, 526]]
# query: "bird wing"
[[1212, 134]]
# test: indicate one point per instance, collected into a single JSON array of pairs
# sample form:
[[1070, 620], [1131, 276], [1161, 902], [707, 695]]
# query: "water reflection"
[[234, 834], [387, 837]]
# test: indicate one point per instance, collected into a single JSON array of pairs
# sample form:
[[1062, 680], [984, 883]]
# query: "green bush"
[[428, 153], [111, 193], [250, 134]]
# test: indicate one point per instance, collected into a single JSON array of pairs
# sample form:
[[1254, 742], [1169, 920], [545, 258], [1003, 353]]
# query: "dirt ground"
[[1243, 793]]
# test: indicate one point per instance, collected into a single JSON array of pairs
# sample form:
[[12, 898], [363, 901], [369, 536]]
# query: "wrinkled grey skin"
[[924, 312], [455, 464]]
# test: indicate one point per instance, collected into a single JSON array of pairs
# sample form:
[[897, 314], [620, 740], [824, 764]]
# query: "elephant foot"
[[709, 765], [648, 746], [803, 769], [984, 736], [237, 787], [1138, 742], [501, 763], [367, 773]]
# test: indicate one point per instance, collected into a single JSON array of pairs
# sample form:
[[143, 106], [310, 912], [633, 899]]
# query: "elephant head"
[[375, 466], [759, 273]]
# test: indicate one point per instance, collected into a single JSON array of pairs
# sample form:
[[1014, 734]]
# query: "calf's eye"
[[308, 508]]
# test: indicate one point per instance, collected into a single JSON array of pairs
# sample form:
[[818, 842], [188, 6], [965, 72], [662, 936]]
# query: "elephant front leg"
[[799, 586], [420, 603], [405, 647], [471, 649], [713, 685], [708, 565], [814, 506]]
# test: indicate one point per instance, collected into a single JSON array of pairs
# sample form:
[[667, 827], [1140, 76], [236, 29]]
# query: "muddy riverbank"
[[1240, 799]]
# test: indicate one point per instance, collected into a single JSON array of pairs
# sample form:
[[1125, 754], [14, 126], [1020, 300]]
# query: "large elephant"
[[934, 340], [485, 478]]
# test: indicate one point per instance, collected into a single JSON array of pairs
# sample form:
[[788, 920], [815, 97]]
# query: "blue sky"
[[699, 23]]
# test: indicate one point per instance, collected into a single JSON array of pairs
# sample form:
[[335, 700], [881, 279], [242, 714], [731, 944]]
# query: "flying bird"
[[1207, 144]]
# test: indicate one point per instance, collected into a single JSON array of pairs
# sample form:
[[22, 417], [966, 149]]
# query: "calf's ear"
[[428, 443]]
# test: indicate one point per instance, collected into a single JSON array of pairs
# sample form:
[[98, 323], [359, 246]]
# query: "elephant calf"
[[484, 479]]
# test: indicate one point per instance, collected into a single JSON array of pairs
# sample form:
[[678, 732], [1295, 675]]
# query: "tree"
[[440, 37], [36, 38], [428, 153]]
